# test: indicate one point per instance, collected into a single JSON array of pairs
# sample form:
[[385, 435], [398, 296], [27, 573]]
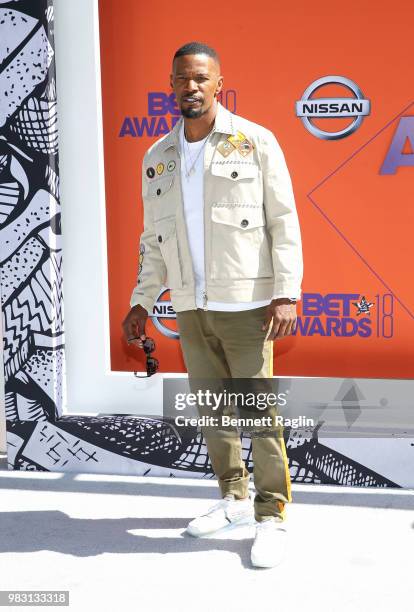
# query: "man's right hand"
[[134, 325]]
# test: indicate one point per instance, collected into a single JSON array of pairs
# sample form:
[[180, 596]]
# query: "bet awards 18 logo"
[[346, 315], [163, 113]]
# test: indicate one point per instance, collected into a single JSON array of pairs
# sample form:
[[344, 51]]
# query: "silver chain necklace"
[[191, 170]]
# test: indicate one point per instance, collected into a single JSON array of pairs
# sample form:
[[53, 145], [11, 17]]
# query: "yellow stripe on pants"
[[282, 441]]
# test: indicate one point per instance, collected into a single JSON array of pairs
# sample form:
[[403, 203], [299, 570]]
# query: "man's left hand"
[[283, 313]]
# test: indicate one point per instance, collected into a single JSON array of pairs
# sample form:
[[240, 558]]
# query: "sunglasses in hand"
[[152, 364]]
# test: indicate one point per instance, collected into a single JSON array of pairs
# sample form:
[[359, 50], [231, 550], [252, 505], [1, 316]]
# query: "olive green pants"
[[219, 345]]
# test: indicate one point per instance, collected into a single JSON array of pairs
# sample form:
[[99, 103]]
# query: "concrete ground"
[[117, 543]]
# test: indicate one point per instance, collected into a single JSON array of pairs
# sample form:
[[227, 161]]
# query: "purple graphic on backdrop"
[[395, 156]]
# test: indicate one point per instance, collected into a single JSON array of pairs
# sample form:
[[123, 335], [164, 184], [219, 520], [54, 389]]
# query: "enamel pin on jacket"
[[253, 247]]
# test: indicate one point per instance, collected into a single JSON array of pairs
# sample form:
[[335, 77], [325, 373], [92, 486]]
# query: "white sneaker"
[[228, 511], [270, 543]]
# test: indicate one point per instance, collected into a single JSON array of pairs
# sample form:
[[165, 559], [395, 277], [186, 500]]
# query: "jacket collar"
[[223, 124]]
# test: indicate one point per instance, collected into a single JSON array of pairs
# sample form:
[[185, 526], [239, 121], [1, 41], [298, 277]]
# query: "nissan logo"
[[356, 107]]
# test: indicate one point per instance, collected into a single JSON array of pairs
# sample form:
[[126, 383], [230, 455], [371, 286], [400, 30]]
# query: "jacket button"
[[158, 191], [244, 223], [234, 174], [159, 238]]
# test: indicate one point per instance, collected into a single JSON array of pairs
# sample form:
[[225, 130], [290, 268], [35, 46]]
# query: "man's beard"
[[193, 113]]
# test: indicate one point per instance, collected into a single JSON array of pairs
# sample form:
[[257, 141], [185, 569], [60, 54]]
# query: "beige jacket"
[[252, 236]]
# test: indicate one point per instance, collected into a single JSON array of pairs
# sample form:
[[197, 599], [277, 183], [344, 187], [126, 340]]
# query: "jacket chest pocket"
[[241, 182], [239, 243], [235, 171], [160, 193], [166, 235]]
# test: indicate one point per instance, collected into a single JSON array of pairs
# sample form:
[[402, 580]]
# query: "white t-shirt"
[[193, 196]]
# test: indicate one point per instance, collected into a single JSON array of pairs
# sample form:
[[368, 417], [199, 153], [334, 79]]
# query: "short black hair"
[[193, 48]]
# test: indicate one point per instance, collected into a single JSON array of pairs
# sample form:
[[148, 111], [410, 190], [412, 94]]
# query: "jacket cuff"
[[292, 295], [145, 302]]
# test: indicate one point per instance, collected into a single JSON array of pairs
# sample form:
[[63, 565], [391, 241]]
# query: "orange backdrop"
[[356, 222]]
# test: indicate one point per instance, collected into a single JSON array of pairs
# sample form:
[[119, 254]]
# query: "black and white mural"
[[40, 436], [30, 255]]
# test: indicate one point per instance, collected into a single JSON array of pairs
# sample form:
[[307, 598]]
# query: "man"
[[222, 232]]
